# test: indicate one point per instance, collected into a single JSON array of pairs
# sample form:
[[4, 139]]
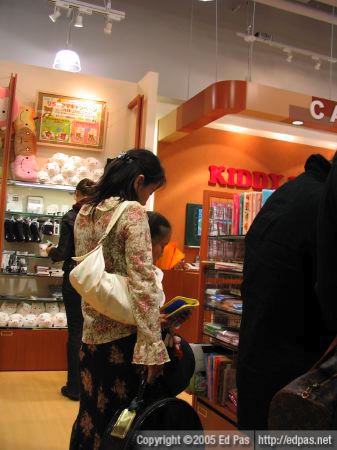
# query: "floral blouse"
[[128, 252]]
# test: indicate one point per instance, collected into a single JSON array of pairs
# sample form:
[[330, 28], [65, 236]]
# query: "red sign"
[[243, 178]]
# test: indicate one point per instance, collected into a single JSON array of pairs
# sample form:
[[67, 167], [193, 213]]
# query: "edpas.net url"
[[297, 441]]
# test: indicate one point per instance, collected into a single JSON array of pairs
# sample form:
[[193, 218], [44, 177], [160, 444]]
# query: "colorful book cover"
[[266, 193], [246, 206], [236, 214], [241, 214]]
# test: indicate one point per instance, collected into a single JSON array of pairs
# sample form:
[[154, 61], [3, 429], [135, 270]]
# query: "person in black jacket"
[[282, 331], [72, 301]]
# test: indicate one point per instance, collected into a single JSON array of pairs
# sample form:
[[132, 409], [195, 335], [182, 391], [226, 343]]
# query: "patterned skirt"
[[109, 381]]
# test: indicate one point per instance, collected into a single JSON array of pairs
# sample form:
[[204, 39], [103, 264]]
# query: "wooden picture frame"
[[70, 121]]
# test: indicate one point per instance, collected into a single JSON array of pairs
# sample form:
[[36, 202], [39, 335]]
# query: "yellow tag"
[[123, 424]]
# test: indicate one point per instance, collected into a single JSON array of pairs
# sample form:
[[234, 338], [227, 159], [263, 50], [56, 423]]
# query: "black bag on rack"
[[165, 414], [9, 230]]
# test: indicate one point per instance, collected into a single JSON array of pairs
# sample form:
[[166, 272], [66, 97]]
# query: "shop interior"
[[230, 100]]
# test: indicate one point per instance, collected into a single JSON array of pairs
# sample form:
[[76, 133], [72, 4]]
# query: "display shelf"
[[212, 265], [31, 256], [228, 237], [15, 299], [27, 214], [209, 307], [55, 187], [33, 328], [220, 342], [28, 275], [223, 410]]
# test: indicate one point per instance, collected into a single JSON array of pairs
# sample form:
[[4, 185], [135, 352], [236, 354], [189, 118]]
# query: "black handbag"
[[166, 413], [310, 401]]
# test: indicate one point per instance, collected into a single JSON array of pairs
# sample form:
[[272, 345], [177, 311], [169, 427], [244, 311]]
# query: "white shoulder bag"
[[107, 293]]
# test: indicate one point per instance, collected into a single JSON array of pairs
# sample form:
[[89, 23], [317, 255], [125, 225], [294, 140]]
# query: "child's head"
[[160, 229]]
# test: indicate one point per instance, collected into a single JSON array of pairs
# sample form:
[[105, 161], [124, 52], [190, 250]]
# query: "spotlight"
[[290, 57], [67, 60], [56, 14], [318, 65], [78, 21], [298, 123], [108, 26]]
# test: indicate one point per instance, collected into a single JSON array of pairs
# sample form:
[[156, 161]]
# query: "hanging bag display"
[[310, 401], [107, 293], [168, 413]]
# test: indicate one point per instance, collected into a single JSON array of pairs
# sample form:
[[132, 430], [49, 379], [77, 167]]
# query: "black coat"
[[282, 331], [66, 246]]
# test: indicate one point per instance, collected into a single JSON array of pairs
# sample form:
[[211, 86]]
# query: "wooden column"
[[6, 157], [138, 102]]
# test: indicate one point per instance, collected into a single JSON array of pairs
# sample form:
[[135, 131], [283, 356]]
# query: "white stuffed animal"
[[30, 321], [52, 168], [97, 174], [24, 308], [57, 179], [83, 172], [60, 320], [68, 170], [59, 158], [43, 177], [92, 164], [15, 320], [9, 307], [44, 320], [38, 308], [52, 308], [73, 181], [76, 161], [4, 318]]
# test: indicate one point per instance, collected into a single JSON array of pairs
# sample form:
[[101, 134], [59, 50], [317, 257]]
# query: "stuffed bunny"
[[38, 308], [76, 161], [68, 170], [30, 321], [43, 177], [52, 308], [52, 168], [60, 320], [24, 308], [73, 181], [59, 158], [8, 307], [83, 172], [44, 320], [15, 320], [4, 318], [57, 179], [92, 164]]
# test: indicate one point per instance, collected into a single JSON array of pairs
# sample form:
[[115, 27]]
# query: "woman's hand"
[[153, 372], [163, 320]]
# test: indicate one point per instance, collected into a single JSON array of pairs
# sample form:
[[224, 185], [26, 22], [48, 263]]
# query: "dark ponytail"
[[159, 225], [85, 187], [121, 172]]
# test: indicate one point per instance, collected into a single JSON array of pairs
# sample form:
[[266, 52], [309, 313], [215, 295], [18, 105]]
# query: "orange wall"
[[186, 163]]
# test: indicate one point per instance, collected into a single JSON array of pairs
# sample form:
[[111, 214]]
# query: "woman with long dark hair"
[[113, 354]]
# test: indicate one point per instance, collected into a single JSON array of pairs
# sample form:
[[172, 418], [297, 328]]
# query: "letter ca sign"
[[318, 110], [243, 179]]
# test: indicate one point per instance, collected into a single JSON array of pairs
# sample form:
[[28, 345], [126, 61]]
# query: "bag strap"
[[331, 349], [116, 215]]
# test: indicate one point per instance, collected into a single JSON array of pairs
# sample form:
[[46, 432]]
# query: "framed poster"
[[70, 121], [193, 224]]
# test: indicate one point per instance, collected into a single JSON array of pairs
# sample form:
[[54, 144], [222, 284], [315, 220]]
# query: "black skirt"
[[109, 381]]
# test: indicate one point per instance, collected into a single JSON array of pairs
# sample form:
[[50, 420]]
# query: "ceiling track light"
[[55, 15], [78, 21]]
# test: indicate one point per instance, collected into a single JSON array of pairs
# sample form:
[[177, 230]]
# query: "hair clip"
[[122, 155]]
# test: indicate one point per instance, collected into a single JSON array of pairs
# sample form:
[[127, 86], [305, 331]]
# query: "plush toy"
[[24, 308], [38, 308], [60, 320], [43, 177], [52, 308], [44, 320], [73, 181], [92, 163], [8, 307], [59, 158], [76, 161], [52, 168], [15, 320], [97, 174], [83, 172], [25, 142], [4, 318], [30, 321], [57, 179], [4, 94], [68, 170], [62, 308], [25, 119], [25, 168]]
